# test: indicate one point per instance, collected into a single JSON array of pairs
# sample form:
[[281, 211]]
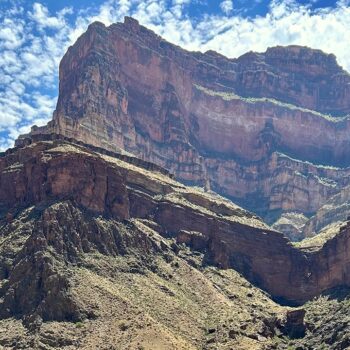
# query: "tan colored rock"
[[291, 224], [336, 209]]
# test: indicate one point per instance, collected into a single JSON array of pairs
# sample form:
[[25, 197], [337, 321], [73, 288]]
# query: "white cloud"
[[32, 42], [11, 34], [29, 58], [227, 6], [41, 16]]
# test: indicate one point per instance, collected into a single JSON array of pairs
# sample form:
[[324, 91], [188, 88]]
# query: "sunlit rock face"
[[73, 191], [267, 130]]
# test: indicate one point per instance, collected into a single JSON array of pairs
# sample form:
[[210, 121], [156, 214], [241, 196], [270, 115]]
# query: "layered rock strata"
[[237, 126], [228, 236]]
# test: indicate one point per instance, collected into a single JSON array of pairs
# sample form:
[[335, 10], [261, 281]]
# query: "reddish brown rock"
[[230, 237], [224, 123]]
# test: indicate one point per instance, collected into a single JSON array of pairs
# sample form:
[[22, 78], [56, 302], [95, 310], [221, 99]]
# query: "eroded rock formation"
[[228, 236], [97, 234], [236, 125]]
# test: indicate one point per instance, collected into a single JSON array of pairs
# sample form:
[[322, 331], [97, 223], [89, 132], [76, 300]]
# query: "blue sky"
[[35, 34]]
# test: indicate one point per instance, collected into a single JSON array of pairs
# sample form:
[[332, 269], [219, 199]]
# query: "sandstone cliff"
[[336, 209], [101, 241], [254, 129], [99, 244], [228, 236]]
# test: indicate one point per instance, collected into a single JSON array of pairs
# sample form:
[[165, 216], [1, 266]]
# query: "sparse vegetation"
[[316, 242]]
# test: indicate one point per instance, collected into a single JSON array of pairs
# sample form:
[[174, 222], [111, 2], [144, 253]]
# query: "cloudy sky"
[[35, 35]]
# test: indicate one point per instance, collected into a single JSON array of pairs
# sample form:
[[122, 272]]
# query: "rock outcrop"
[[228, 236], [292, 225], [253, 128], [336, 209], [96, 233], [113, 247]]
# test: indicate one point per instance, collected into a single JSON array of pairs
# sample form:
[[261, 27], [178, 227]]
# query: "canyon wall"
[[229, 237], [269, 131]]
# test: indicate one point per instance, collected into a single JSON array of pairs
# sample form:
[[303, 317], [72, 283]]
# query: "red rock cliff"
[[54, 171], [250, 127]]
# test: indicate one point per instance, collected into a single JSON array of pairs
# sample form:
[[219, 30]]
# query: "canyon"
[[77, 221], [158, 208], [230, 236], [266, 130]]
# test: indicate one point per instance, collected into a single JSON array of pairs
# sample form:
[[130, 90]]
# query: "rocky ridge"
[[269, 131], [229, 236], [95, 241]]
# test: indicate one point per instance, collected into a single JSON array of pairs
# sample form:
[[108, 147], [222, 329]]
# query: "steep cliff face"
[[298, 75], [113, 248], [336, 209], [120, 253], [228, 236], [100, 244], [236, 125]]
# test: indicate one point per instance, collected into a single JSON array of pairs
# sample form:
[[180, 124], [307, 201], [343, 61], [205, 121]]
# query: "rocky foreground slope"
[[103, 250], [268, 130]]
